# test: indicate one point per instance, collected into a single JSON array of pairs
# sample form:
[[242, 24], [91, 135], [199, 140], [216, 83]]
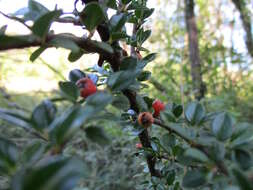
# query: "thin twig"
[[20, 20], [200, 147]]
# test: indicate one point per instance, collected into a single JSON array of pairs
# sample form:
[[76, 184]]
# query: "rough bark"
[[198, 85], [246, 22]]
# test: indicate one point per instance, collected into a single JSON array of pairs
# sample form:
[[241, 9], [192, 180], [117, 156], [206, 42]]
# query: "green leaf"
[[196, 155], [37, 53], [15, 118], [144, 76], [185, 132], [222, 126], [194, 179], [65, 126], [56, 173], [74, 56], [99, 100], [92, 15], [117, 21], [69, 90], [149, 58], [8, 156], [240, 130], [129, 63], [97, 135], [75, 75], [142, 36], [121, 102], [194, 113], [121, 80], [167, 116], [141, 103], [168, 141], [217, 151], [43, 114], [64, 42], [243, 158], [147, 13], [112, 4], [35, 10], [177, 110], [3, 29], [118, 35], [33, 152], [42, 24], [242, 180], [125, 1]]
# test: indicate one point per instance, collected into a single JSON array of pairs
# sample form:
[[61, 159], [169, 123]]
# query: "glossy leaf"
[[8, 156], [74, 56], [222, 126], [193, 179], [69, 90], [196, 155], [43, 23], [194, 113], [37, 53], [99, 100], [43, 114], [121, 80], [243, 158], [117, 22], [92, 15], [75, 75], [15, 118]]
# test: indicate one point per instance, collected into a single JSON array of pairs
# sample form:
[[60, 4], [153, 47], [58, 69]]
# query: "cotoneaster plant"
[[86, 86], [183, 146]]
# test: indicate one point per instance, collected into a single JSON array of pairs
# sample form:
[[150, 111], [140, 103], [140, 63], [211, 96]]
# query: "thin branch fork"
[[200, 147]]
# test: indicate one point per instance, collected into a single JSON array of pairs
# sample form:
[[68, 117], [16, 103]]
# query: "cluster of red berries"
[[87, 87], [146, 119]]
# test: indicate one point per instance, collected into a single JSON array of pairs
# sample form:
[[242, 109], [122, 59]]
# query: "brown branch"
[[192, 31], [26, 41], [73, 21], [246, 22], [20, 20]]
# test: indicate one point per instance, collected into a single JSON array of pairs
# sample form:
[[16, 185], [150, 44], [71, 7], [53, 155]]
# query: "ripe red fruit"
[[87, 87], [138, 145], [158, 106], [145, 119]]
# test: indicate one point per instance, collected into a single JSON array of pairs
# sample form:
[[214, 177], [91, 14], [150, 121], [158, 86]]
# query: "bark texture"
[[198, 85], [246, 22]]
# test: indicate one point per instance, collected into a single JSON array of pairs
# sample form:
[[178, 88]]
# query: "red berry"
[[158, 106], [145, 119], [138, 145], [87, 87]]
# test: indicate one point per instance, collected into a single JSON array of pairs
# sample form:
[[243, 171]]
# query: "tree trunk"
[[246, 22], [198, 85]]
